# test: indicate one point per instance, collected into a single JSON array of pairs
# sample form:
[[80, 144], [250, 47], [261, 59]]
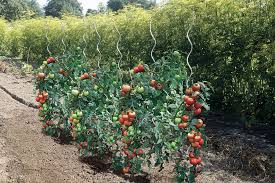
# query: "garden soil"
[[29, 156]]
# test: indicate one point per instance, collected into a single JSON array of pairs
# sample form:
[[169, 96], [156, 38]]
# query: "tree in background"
[[115, 4], [118, 4], [14, 9], [56, 8], [91, 12]]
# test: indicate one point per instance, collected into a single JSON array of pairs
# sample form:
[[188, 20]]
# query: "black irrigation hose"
[[20, 100]]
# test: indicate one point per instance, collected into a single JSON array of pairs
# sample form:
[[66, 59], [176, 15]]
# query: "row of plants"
[[233, 45], [142, 117]]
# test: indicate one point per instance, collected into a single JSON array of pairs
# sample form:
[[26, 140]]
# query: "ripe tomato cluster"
[[191, 97], [194, 160], [139, 68], [128, 114], [42, 97], [156, 85]]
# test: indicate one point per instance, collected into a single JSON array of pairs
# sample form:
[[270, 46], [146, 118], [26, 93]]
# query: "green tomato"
[[168, 97], [51, 75], [140, 89], [176, 53], [177, 77], [74, 116], [132, 72], [45, 62], [101, 90], [84, 128], [78, 125], [79, 113], [75, 92], [79, 129], [86, 93], [131, 129], [44, 106], [173, 145], [162, 110], [138, 132], [177, 120], [131, 133], [114, 83], [113, 64], [96, 87], [115, 119]]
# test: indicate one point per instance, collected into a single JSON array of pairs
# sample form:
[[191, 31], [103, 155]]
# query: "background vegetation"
[[233, 45]]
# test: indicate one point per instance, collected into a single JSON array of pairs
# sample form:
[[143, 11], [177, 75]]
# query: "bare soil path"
[[28, 156]]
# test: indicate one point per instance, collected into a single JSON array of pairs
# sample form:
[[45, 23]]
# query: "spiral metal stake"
[[48, 41], [117, 45], [28, 55], [84, 39], [155, 41], [97, 46], [191, 50], [62, 40]]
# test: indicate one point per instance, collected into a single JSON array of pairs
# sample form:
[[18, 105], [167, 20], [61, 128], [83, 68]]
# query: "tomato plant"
[[146, 115]]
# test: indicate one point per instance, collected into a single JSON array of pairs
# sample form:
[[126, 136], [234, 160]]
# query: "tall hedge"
[[233, 45]]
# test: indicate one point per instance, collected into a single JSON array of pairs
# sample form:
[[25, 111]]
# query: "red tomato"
[[51, 60], [153, 83], [140, 152], [125, 117], [71, 119], [185, 118], [126, 170], [136, 70], [131, 119], [125, 133], [42, 101], [199, 123], [193, 161], [199, 160], [141, 68], [61, 71], [197, 138], [94, 74], [197, 111], [190, 135], [201, 142], [196, 87], [85, 144], [182, 125], [126, 152], [126, 88], [127, 123], [41, 75], [37, 99], [197, 105], [191, 155], [195, 144], [121, 120], [132, 114], [185, 98], [188, 91], [190, 101]]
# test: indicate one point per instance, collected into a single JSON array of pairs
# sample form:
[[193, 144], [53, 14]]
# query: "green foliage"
[[233, 43], [14, 9], [56, 8], [116, 5]]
